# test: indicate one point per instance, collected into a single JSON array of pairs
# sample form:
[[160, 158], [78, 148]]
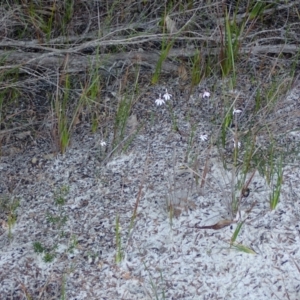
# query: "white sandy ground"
[[164, 258]]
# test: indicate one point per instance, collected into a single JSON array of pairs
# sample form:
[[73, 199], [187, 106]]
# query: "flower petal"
[[206, 94]]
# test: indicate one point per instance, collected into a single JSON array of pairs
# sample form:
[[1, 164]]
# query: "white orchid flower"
[[206, 94], [159, 101], [167, 96], [203, 137]]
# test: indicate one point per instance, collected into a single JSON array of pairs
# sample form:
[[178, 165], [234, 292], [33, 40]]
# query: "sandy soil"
[[164, 256]]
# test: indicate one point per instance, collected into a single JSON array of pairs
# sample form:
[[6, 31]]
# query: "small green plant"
[[63, 288], [154, 286], [166, 46], [191, 142], [73, 244], [38, 247], [61, 112], [111, 8], [11, 220], [126, 101], [121, 119], [49, 255], [119, 253], [57, 219], [196, 69], [240, 167], [68, 13], [258, 9], [91, 92], [60, 195], [239, 246], [9, 206], [225, 125], [173, 117], [234, 31], [275, 195], [59, 200], [230, 46], [267, 163], [65, 111], [50, 19], [242, 248], [47, 26], [258, 100], [9, 93], [236, 233]]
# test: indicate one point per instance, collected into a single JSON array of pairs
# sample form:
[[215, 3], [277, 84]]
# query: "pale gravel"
[[161, 258]]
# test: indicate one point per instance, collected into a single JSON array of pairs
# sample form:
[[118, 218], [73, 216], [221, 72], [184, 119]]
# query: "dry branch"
[[79, 62]]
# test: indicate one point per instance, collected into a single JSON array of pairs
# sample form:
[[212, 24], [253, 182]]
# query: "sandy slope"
[[163, 257]]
